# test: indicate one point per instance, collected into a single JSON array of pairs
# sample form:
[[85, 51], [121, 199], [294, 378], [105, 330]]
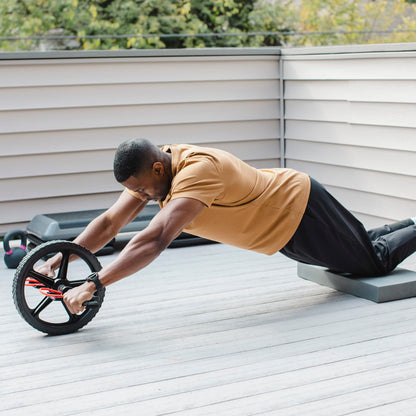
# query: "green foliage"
[[279, 17], [83, 18], [355, 16], [117, 18]]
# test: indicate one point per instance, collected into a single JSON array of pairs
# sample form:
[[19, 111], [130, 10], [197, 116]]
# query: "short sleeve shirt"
[[255, 209]]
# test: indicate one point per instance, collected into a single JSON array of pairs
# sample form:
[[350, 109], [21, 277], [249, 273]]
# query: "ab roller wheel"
[[39, 298]]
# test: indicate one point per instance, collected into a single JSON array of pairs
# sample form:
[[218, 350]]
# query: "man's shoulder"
[[186, 156]]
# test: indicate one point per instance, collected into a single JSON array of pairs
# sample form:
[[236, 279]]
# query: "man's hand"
[[46, 269], [75, 297]]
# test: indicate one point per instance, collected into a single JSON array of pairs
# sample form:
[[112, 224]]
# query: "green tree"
[[84, 18], [279, 17], [204, 22], [354, 16]]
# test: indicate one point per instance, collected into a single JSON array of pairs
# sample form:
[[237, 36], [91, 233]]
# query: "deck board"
[[215, 330]]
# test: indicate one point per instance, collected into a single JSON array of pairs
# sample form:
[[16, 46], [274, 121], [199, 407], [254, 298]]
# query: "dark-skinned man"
[[212, 194]]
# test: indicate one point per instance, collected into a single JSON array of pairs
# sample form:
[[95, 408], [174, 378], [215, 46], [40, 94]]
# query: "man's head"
[[142, 167]]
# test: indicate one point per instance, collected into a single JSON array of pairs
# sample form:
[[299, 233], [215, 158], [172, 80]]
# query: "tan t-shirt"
[[255, 209]]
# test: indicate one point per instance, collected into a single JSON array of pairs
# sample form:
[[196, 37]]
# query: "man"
[[212, 194]]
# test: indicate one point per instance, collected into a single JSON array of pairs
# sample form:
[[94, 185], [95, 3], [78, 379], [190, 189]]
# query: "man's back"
[[250, 208]]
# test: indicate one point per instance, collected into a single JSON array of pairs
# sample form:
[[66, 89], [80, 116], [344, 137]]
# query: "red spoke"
[[50, 293]]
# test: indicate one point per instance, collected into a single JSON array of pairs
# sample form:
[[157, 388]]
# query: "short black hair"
[[133, 157]]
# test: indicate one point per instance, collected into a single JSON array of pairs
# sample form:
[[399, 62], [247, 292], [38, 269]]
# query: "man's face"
[[152, 185]]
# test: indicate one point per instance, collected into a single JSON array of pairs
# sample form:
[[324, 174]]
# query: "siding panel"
[[357, 67], [374, 182], [398, 91], [368, 158], [132, 94], [383, 137], [120, 116], [374, 205], [108, 138], [135, 70], [61, 120], [50, 186], [11, 211], [380, 114], [350, 123]]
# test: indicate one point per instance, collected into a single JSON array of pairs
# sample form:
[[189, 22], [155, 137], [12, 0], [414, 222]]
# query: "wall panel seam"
[[282, 117]]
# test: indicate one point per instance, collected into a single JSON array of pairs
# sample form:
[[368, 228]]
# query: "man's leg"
[[330, 236], [396, 246], [389, 228]]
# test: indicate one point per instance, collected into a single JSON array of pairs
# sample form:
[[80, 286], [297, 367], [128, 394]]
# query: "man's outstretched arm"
[[142, 249], [102, 229]]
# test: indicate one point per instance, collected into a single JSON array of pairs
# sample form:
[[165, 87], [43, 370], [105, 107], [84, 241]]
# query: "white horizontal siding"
[[61, 120], [381, 160], [360, 179], [393, 66], [387, 91], [135, 70], [370, 195], [120, 116], [105, 138], [78, 96], [370, 204], [349, 122], [28, 208], [380, 114], [383, 137]]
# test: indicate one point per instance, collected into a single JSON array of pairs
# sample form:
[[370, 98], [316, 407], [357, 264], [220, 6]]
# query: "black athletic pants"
[[330, 236]]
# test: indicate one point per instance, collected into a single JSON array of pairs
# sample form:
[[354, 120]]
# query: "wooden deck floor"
[[214, 330]]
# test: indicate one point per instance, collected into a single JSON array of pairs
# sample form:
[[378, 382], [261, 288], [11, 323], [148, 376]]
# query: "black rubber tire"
[[75, 322]]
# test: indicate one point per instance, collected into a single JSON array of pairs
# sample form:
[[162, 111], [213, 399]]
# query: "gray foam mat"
[[399, 284]]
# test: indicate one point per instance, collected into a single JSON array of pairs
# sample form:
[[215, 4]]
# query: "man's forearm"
[[134, 257], [97, 234], [137, 254]]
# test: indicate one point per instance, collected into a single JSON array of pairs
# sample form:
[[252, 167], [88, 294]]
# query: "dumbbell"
[[14, 255]]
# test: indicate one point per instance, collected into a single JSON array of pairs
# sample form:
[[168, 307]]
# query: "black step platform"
[[68, 225]]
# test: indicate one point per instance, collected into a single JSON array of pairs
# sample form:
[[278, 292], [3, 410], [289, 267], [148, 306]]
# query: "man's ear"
[[158, 169]]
